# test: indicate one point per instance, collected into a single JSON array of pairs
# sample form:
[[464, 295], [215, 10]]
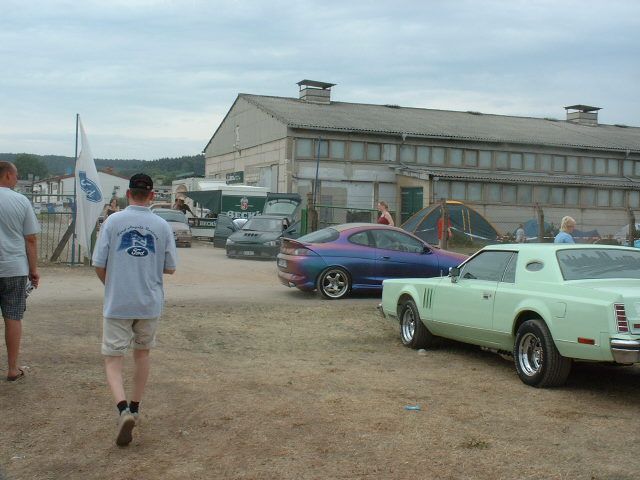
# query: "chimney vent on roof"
[[315, 92], [583, 115]]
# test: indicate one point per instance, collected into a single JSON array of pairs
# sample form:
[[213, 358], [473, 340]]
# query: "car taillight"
[[621, 318], [289, 250]]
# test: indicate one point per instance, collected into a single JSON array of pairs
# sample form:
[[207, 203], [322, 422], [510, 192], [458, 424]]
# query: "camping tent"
[[467, 225]]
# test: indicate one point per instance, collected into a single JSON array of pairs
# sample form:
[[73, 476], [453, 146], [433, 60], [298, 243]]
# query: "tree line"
[[162, 170]]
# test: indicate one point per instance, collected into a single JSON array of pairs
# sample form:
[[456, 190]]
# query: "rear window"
[[597, 263], [321, 236]]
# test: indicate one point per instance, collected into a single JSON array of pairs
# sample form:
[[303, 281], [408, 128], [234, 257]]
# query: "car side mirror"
[[454, 273], [426, 250]]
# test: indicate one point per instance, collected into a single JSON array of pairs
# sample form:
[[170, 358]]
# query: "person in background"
[[567, 226], [385, 217], [135, 248], [111, 208], [520, 238], [18, 262], [183, 207]]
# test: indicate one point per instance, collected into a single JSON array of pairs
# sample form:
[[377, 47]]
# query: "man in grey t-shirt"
[[18, 261], [135, 248]]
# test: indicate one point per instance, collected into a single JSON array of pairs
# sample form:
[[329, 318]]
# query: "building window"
[[422, 155], [502, 161], [474, 192], [484, 159], [541, 195], [389, 152], [612, 166], [571, 196], [515, 159], [627, 168], [617, 198], [637, 169], [493, 193], [373, 152], [558, 164], [455, 157], [588, 197], [545, 163], [442, 189], [323, 151], [470, 158], [572, 164], [557, 196], [356, 151], [634, 199], [509, 194], [525, 194], [587, 165], [337, 149], [601, 166], [408, 153], [457, 190], [437, 156], [530, 162], [304, 147], [602, 198]]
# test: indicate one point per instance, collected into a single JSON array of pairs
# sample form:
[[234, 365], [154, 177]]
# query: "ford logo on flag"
[[89, 187]]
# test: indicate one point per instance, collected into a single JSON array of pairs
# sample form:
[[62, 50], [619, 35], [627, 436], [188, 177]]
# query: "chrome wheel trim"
[[530, 354], [335, 283], [408, 325]]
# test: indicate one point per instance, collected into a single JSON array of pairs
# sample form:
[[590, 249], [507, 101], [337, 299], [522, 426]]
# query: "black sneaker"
[[125, 426]]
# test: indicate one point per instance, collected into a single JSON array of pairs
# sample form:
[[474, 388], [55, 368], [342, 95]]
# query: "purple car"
[[358, 256]]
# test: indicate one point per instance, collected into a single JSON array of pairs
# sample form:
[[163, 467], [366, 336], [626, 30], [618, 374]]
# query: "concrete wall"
[[245, 126]]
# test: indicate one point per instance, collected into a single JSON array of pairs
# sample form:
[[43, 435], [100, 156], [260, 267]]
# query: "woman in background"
[[385, 217], [111, 208]]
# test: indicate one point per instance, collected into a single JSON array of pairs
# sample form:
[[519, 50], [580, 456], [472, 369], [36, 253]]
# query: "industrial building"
[[357, 154]]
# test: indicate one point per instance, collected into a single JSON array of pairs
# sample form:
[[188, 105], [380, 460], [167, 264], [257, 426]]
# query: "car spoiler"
[[293, 243]]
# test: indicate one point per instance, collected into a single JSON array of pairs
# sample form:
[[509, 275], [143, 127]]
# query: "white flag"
[[89, 199]]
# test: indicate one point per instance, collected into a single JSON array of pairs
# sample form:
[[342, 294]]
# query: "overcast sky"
[[154, 78]]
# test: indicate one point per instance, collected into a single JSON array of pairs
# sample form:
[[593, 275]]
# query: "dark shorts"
[[13, 297]]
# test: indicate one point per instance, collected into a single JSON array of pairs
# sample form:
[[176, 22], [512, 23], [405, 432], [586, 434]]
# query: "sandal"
[[16, 377]]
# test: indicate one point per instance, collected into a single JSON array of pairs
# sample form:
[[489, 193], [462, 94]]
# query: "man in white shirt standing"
[[18, 262], [135, 248]]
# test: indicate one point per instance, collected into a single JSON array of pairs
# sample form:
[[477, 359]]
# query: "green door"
[[410, 202]]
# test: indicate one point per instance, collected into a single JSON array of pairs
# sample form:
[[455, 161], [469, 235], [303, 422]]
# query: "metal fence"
[[333, 215], [55, 241]]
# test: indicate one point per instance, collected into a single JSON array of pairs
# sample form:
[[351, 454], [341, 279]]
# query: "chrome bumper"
[[625, 351]]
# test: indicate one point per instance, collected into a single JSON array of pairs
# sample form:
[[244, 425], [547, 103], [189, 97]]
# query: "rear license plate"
[[282, 263], [248, 252]]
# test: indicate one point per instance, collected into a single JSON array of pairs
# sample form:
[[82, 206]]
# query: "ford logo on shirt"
[[137, 251]]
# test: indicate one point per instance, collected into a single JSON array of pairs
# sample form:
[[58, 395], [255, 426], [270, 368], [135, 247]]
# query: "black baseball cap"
[[141, 181]]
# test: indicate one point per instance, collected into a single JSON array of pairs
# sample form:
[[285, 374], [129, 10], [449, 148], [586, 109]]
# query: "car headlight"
[[230, 242], [272, 243]]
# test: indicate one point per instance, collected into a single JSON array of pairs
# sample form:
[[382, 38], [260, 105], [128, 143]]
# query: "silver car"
[[179, 224]]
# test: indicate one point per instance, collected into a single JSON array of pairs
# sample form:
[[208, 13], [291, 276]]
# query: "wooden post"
[[540, 217], [444, 217], [631, 218]]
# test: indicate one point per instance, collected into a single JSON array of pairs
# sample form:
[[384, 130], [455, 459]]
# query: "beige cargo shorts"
[[119, 334]]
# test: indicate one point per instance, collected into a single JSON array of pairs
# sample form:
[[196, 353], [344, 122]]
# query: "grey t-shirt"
[[17, 219], [135, 245]]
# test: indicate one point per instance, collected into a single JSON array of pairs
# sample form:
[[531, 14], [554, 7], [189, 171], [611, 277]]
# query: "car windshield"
[[263, 225], [321, 236], [172, 216], [280, 207], [598, 263]]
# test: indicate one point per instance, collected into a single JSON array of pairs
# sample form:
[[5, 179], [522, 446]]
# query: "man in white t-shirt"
[[18, 262], [135, 248]]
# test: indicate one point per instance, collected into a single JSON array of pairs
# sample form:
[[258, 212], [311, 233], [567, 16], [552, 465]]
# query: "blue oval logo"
[[137, 251]]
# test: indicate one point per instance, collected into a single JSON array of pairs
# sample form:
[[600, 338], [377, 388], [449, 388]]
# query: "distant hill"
[[162, 170]]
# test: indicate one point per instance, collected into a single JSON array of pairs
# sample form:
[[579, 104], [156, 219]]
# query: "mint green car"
[[545, 304]]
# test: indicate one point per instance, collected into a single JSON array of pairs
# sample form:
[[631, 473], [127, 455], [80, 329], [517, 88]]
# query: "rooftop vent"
[[315, 92], [583, 115]]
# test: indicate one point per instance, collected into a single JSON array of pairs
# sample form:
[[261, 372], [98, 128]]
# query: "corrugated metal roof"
[[511, 177], [444, 124]]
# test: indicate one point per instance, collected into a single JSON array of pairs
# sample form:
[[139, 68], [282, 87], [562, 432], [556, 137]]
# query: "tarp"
[[467, 225], [211, 199]]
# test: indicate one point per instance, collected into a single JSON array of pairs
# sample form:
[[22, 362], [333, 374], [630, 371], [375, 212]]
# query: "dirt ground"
[[252, 380]]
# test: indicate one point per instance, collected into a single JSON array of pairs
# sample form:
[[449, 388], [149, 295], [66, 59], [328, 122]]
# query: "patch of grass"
[[475, 444]]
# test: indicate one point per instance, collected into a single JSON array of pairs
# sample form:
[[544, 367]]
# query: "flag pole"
[[75, 198]]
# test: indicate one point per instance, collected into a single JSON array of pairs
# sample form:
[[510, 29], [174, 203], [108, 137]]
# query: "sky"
[[154, 78]]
